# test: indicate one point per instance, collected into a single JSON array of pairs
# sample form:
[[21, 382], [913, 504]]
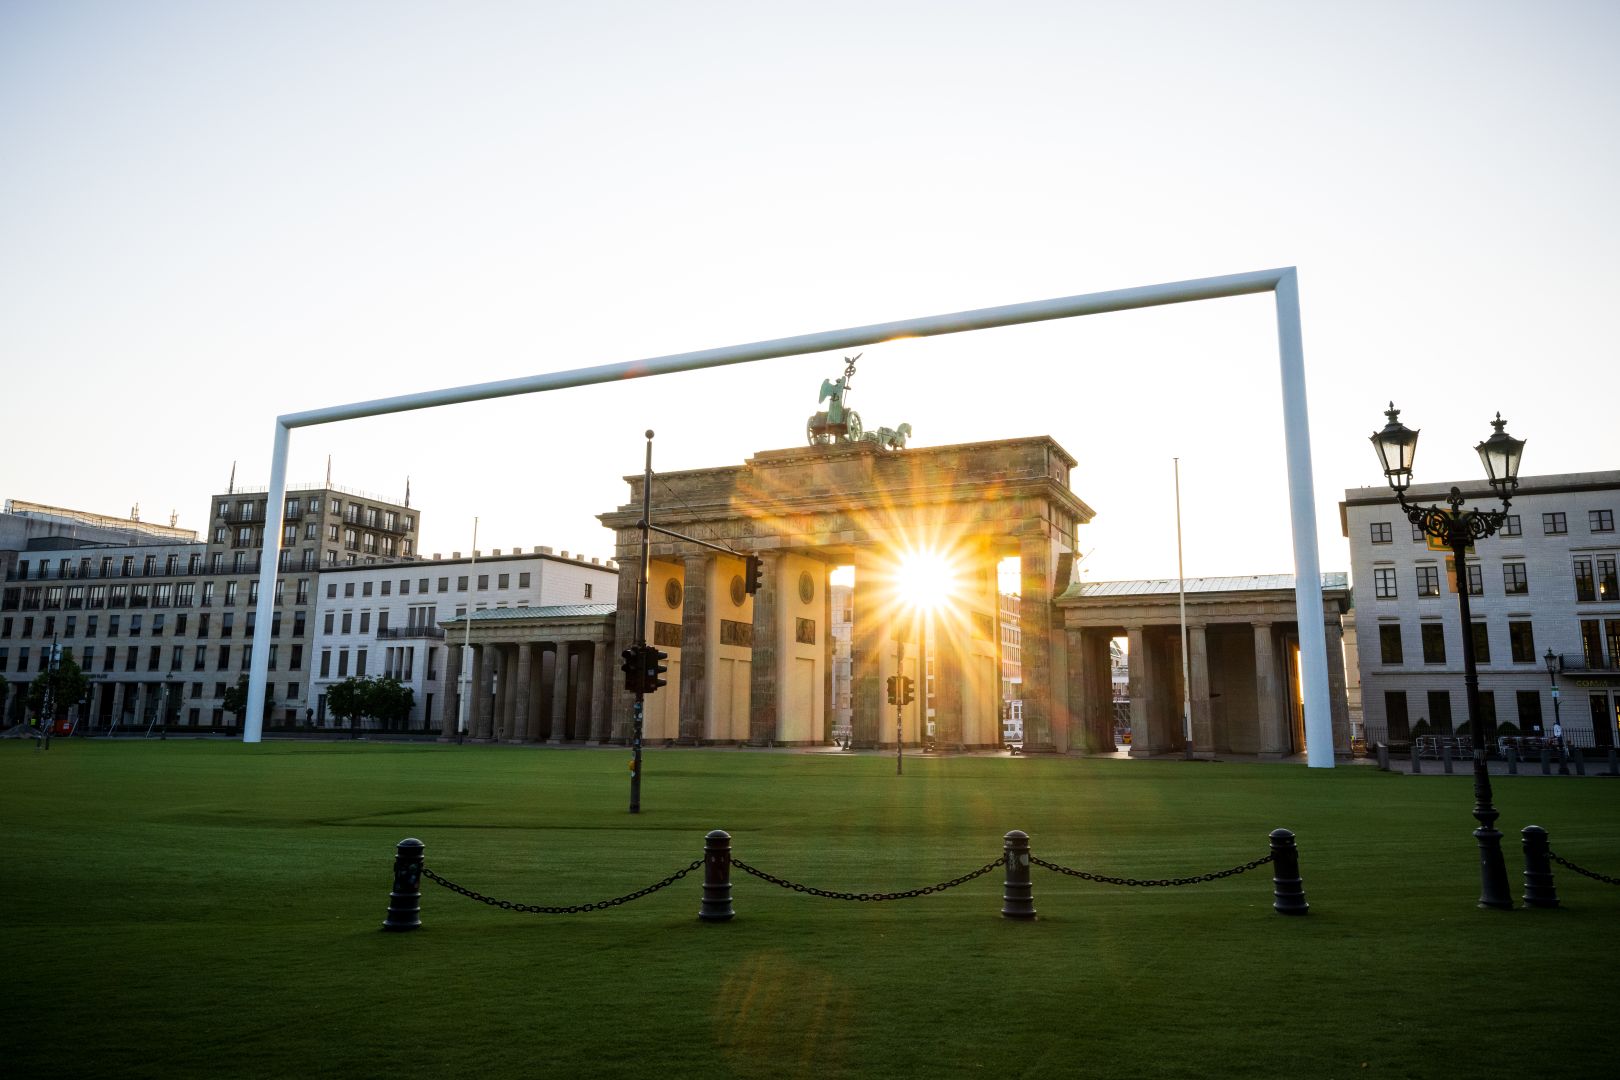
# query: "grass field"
[[189, 908]]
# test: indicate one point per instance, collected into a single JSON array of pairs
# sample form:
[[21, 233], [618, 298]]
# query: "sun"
[[925, 581]]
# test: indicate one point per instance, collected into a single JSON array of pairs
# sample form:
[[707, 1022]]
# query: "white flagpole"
[[466, 641], [1181, 592]]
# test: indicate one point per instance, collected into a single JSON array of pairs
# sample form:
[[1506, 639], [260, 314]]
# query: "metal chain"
[[831, 895], [1583, 870], [1103, 879], [540, 909]]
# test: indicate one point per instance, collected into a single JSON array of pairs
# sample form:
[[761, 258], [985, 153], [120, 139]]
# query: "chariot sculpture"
[[842, 425]]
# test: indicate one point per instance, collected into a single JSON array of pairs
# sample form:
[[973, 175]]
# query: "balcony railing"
[[398, 633]]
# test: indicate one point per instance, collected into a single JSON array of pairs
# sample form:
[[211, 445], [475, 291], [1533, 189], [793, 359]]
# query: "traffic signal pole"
[[638, 710]]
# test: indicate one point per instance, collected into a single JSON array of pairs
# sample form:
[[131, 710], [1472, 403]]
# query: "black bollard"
[[1539, 890], [1512, 756], [1445, 755], [1614, 762], [1417, 760], [405, 902], [1383, 758], [1563, 760], [716, 906], [1579, 757], [1286, 885], [1546, 762], [1018, 895]]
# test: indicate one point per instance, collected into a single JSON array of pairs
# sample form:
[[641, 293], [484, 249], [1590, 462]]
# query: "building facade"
[[393, 620], [1545, 583], [163, 630]]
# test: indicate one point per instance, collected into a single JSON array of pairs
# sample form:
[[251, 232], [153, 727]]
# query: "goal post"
[[1283, 283]]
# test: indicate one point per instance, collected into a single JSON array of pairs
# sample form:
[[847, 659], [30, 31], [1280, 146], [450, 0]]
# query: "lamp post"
[[1555, 664], [1458, 528]]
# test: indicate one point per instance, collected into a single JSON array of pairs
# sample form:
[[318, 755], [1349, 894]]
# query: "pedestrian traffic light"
[[894, 689], [634, 671], [908, 689], [655, 668], [751, 574]]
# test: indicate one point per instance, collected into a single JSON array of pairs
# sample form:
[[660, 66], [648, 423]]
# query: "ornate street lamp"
[[1458, 528]]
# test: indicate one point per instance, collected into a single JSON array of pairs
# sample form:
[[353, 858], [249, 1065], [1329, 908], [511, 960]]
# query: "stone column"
[[507, 685], [559, 695], [1338, 694], [479, 712], [626, 632], [694, 688], [867, 639], [1035, 621], [1145, 739], [948, 690], [762, 675], [1090, 692], [602, 689], [117, 705], [1268, 695], [829, 683], [1203, 727], [450, 689], [523, 728]]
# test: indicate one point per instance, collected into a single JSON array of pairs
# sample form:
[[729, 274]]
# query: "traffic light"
[[634, 671], [908, 689], [655, 668], [751, 574], [894, 689]]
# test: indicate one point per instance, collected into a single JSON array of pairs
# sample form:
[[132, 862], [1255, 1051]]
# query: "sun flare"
[[925, 580]]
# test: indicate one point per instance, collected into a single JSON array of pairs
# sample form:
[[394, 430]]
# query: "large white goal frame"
[[1282, 282]]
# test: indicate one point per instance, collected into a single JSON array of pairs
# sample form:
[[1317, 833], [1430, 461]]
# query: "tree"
[[346, 700], [235, 699], [390, 701], [64, 684]]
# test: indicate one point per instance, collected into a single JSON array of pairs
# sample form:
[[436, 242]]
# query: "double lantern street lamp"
[[1458, 528]]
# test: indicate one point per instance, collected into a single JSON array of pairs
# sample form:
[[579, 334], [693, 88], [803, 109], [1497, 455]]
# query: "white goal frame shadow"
[[1282, 282]]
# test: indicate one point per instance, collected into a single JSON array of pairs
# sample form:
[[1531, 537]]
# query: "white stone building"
[[1546, 582], [385, 620]]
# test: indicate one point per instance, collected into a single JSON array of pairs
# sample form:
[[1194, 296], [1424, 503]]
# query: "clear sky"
[[213, 213]]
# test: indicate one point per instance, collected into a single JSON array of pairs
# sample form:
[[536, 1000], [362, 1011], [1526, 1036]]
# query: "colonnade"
[[530, 682]]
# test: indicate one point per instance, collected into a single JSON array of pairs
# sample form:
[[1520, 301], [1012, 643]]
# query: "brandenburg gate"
[[757, 669]]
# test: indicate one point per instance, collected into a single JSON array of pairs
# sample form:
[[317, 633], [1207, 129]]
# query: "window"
[[504, 581], [1585, 583], [587, 590], [1482, 644], [1607, 585], [89, 625], [365, 588], [343, 663], [202, 624], [404, 587], [134, 626], [1600, 520], [1514, 580], [1592, 642], [1381, 532], [1554, 524], [382, 621], [223, 659], [131, 657], [1417, 533], [230, 592], [1384, 582], [348, 589], [1434, 643], [295, 658], [1476, 579], [1395, 718], [331, 617], [523, 581], [326, 662], [444, 584], [199, 658], [303, 592], [1389, 643], [1522, 642], [461, 583], [208, 594], [1428, 580], [1529, 713], [1611, 632], [112, 626], [348, 622], [227, 624], [360, 661], [292, 691], [157, 625], [365, 622], [1440, 711]]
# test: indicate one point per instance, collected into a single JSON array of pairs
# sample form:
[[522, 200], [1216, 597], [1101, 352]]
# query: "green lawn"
[[190, 908]]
